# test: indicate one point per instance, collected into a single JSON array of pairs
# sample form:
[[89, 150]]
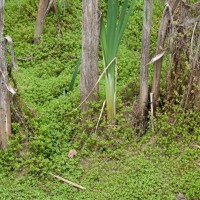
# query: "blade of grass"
[[71, 86]]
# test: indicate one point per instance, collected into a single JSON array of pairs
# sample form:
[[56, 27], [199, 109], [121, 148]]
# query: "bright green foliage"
[[111, 36], [113, 164]]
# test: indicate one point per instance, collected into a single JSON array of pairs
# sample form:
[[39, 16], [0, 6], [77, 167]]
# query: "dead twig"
[[69, 182], [100, 116], [25, 59], [191, 50], [48, 8], [195, 145]]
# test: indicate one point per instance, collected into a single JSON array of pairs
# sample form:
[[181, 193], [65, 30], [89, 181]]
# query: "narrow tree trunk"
[[147, 20], [160, 46], [5, 116], [90, 47], [42, 9], [196, 67], [197, 95]]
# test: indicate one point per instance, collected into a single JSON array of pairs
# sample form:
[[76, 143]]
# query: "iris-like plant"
[[111, 35], [76, 69]]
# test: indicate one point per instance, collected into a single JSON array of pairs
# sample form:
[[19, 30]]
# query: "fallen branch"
[[69, 182], [24, 59], [195, 145]]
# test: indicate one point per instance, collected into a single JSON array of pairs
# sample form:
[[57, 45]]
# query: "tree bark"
[[197, 95], [42, 9], [90, 47], [162, 34], [196, 67], [147, 20], [5, 116]]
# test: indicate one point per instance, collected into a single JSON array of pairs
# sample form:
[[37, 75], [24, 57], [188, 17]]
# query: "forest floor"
[[113, 164], [126, 174]]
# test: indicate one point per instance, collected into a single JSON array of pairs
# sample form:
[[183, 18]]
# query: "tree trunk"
[[160, 46], [197, 95], [147, 20], [42, 9], [5, 116], [90, 47], [196, 68]]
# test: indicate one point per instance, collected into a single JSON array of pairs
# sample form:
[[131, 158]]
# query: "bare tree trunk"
[[42, 9], [172, 5], [5, 116], [197, 95], [196, 67], [90, 47], [147, 20]]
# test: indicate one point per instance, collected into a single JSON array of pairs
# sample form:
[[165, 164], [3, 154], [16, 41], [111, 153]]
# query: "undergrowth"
[[112, 162]]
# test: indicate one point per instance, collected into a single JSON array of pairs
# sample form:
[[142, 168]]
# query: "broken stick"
[[69, 182]]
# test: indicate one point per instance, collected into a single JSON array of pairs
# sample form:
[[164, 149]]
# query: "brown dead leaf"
[[72, 153]]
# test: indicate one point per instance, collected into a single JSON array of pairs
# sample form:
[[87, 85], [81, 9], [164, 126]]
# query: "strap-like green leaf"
[[104, 39], [125, 22], [71, 86]]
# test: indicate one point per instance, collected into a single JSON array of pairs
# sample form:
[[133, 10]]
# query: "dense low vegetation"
[[114, 162]]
